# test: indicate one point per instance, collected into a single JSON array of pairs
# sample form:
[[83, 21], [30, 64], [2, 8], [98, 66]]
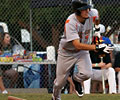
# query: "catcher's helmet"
[[79, 5]]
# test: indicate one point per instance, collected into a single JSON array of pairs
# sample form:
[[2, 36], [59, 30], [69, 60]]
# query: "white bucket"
[[51, 53]]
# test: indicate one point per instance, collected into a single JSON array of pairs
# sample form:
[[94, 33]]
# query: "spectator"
[[117, 62], [105, 66], [98, 28], [117, 46], [5, 70]]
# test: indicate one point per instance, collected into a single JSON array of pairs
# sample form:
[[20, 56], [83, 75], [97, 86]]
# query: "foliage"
[[13, 10], [108, 14]]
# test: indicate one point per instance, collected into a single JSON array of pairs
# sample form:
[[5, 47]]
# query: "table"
[[21, 64]]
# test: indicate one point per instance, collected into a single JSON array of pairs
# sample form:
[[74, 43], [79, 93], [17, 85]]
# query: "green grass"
[[64, 96]]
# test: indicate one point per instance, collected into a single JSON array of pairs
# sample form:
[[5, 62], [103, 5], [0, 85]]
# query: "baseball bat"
[[14, 98], [103, 81]]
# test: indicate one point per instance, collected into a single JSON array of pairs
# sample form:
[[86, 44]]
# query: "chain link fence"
[[37, 24]]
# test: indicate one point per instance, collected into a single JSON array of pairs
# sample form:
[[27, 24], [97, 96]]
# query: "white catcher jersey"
[[75, 30]]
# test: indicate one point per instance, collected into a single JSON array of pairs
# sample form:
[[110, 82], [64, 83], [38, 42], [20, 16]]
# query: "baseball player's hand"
[[104, 47], [102, 65]]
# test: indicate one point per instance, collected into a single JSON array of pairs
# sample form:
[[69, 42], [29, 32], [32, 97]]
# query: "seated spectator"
[[6, 71], [101, 68]]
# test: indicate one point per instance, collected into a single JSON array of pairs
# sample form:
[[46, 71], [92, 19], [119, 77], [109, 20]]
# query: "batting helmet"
[[79, 5]]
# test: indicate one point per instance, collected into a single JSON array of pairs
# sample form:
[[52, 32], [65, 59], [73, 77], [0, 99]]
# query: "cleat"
[[79, 94], [78, 88]]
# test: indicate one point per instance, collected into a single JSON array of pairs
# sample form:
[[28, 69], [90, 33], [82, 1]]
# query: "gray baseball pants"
[[64, 65]]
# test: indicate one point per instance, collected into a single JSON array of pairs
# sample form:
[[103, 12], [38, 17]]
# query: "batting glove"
[[104, 47]]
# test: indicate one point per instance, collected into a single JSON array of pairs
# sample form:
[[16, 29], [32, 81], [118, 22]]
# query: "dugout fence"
[[37, 24]]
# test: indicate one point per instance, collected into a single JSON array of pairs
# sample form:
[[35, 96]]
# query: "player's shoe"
[[78, 88]]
